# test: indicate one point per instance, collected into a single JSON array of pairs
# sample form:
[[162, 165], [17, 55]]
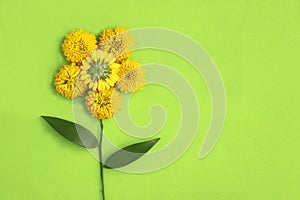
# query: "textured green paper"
[[256, 46]]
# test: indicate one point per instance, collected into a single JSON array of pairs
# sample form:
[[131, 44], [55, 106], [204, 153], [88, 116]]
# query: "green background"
[[256, 46]]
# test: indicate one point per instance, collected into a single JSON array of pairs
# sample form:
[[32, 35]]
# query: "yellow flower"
[[99, 70], [103, 104], [126, 66], [132, 81], [78, 45], [117, 41], [66, 82]]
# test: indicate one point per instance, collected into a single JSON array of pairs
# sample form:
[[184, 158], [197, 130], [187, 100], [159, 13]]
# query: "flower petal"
[[100, 85]]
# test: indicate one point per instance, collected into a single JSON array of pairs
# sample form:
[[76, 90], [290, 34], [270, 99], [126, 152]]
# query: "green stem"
[[100, 158]]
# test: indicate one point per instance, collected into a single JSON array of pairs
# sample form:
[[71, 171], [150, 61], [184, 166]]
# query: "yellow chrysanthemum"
[[132, 81], [117, 41], [126, 66], [78, 45], [66, 82], [103, 104], [99, 70]]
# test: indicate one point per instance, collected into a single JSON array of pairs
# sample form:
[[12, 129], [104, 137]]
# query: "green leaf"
[[129, 154], [70, 131]]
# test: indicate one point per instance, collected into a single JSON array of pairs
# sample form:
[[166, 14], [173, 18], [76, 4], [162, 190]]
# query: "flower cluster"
[[101, 69]]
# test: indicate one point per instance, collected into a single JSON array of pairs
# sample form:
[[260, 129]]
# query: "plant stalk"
[[100, 159]]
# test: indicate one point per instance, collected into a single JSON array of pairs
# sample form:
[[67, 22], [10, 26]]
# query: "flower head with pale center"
[[67, 83], [102, 68], [118, 42], [132, 80], [78, 45], [99, 70]]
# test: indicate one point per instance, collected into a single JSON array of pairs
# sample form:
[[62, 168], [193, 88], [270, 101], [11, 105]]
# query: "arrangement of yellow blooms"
[[99, 70]]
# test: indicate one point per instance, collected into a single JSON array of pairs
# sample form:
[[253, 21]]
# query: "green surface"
[[256, 46]]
